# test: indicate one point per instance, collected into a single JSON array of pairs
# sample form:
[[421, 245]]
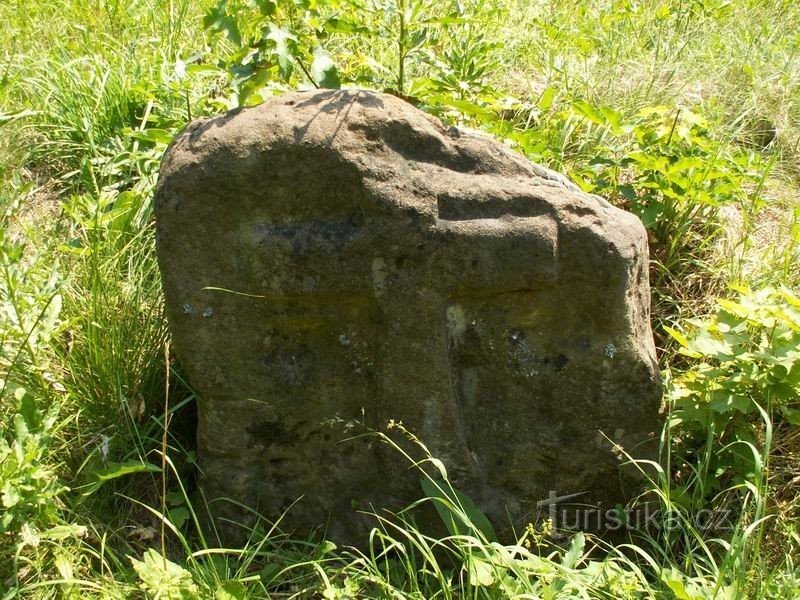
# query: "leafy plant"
[[744, 364], [163, 579], [423, 50], [273, 39], [30, 493]]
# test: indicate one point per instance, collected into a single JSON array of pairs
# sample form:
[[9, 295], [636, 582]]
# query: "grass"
[[728, 57], [685, 112]]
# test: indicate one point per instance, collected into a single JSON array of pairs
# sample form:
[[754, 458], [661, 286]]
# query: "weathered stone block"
[[336, 259]]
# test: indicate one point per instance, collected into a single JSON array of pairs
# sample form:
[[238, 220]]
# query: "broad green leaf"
[[284, 47], [9, 495], [613, 118], [651, 213], [722, 402], [325, 548], [63, 532], [457, 511], [465, 107], [114, 470], [163, 578], [481, 572], [178, 516], [742, 288], [21, 430], [792, 415], [687, 162], [335, 25], [230, 590], [266, 7], [677, 336], [573, 554], [200, 69], [588, 111], [257, 79], [547, 97], [708, 344], [323, 70], [217, 19], [734, 308], [675, 583], [157, 136], [26, 406]]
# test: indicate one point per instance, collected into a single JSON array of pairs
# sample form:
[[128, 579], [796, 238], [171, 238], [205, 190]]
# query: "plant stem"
[[401, 40]]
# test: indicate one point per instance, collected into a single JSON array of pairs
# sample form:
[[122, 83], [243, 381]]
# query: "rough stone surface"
[[336, 259]]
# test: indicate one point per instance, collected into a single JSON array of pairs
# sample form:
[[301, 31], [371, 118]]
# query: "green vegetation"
[[686, 112]]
